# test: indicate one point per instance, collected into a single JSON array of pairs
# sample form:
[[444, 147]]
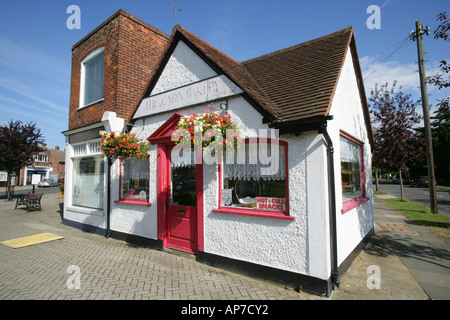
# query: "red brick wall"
[[132, 49]]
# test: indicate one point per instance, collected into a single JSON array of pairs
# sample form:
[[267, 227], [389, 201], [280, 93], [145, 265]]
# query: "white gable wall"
[[347, 111], [184, 67]]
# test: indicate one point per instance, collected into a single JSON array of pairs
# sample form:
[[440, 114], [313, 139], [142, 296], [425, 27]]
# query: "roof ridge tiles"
[[274, 53]]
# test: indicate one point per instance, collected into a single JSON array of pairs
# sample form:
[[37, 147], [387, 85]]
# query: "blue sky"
[[35, 43]]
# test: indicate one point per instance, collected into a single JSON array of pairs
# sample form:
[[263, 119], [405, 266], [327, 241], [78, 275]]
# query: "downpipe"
[[108, 204], [332, 206]]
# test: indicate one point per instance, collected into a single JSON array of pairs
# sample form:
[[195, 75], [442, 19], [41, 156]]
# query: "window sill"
[[85, 210], [90, 104], [353, 203], [134, 202], [254, 213]]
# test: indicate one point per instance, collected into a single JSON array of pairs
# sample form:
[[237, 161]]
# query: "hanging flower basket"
[[123, 145], [210, 124]]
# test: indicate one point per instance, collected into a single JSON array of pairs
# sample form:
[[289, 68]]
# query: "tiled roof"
[[301, 80], [288, 86]]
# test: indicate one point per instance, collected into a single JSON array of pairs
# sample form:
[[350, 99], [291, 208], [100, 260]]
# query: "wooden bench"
[[32, 201]]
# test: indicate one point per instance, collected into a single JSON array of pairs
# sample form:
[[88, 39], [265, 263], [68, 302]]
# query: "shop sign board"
[[35, 179], [196, 93], [271, 203]]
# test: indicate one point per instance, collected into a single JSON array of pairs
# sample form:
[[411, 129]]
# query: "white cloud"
[[374, 71], [25, 91], [406, 74]]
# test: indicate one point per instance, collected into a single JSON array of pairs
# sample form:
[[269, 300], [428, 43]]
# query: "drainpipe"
[[108, 196], [332, 205]]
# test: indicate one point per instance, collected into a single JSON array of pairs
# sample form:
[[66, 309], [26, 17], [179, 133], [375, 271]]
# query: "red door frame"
[[162, 137]]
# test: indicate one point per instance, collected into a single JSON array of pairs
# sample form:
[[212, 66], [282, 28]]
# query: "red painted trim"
[[134, 202], [353, 203], [164, 133], [255, 213], [199, 186], [252, 212], [161, 194]]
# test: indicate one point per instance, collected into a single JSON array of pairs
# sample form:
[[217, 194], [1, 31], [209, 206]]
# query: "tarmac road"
[[24, 190], [419, 195]]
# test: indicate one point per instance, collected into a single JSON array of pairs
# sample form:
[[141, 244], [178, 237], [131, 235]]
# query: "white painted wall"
[[299, 246], [134, 219], [348, 115], [183, 67]]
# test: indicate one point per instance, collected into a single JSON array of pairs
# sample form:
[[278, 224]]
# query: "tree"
[[440, 123], [397, 145], [18, 144]]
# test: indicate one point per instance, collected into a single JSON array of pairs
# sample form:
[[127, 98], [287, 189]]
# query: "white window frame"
[[89, 148], [88, 58]]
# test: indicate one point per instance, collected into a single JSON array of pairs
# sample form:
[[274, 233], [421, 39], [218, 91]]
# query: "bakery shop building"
[[261, 166]]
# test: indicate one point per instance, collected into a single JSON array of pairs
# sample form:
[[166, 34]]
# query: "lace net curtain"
[[252, 167]]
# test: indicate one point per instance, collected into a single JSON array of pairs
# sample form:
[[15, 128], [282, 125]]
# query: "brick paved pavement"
[[115, 270], [109, 269]]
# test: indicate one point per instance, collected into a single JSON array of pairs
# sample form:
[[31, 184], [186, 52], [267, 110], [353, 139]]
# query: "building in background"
[[49, 164]]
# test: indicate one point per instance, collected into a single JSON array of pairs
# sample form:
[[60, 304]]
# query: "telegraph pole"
[[426, 114]]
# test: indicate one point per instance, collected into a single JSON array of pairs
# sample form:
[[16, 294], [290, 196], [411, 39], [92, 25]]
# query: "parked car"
[[421, 181], [48, 183], [396, 179], [61, 180]]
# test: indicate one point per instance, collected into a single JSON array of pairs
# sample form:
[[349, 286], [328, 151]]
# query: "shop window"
[[134, 180], [254, 187], [91, 86], [88, 182], [352, 172]]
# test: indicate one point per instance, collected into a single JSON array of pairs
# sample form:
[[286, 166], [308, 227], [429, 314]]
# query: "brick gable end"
[[132, 50]]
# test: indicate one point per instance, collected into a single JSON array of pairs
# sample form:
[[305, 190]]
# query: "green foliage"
[[19, 142]]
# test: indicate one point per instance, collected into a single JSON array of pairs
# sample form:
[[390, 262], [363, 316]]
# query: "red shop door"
[[181, 206]]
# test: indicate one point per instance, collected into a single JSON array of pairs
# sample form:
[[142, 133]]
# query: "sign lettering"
[[196, 93], [271, 204]]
